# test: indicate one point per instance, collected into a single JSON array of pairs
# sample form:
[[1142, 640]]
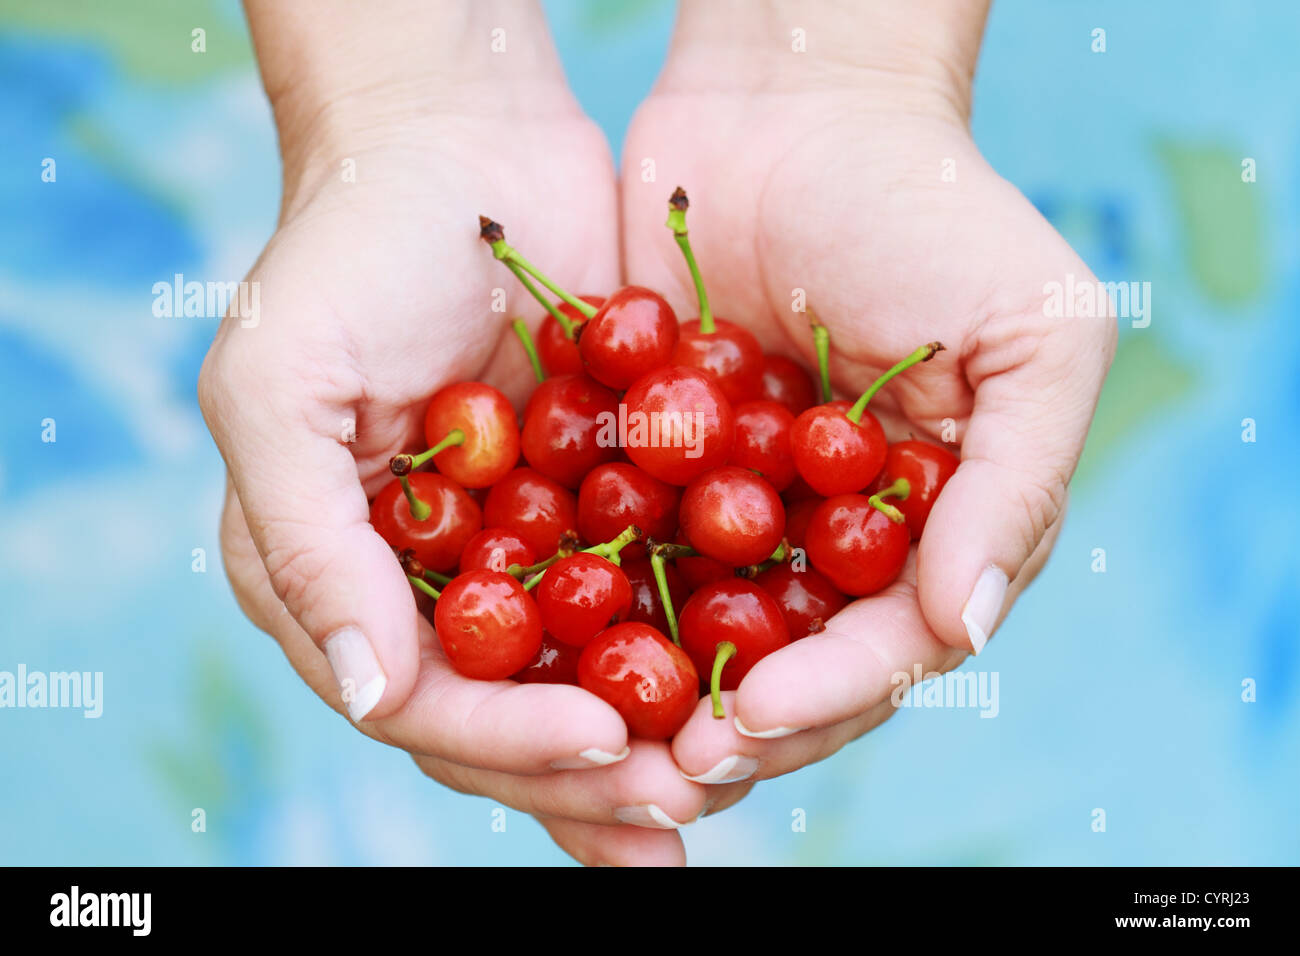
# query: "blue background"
[[1119, 690]]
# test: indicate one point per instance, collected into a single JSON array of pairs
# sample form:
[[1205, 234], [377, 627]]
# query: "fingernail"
[[647, 815], [731, 769], [591, 757], [772, 734], [984, 605], [356, 668]]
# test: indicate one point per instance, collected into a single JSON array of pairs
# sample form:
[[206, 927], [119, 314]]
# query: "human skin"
[[823, 171], [374, 293]]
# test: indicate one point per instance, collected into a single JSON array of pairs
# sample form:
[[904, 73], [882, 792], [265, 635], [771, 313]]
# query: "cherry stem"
[[495, 236], [923, 354], [402, 465], [437, 578], [568, 543], [566, 323], [608, 550], [822, 343], [900, 490], [778, 556], [420, 510], [424, 586], [665, 596], [526, 340], [677, 206], [726, 651]]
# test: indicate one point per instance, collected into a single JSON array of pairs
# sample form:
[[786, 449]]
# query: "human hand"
[[373, 293], [824, 172]]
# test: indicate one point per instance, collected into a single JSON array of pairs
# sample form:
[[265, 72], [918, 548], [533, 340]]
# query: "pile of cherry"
[[677, 505]]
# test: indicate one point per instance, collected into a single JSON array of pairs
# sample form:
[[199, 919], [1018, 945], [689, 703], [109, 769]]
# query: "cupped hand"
[[860, 192], [374, 291]]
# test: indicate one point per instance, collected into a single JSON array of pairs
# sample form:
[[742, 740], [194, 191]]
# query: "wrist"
[[917, 55]]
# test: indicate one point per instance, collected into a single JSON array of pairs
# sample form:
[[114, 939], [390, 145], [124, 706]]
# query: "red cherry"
[[855, 545], [488, 625], [788, 382], [490, 444], [616, 495], [732, 515], [806, 598], [558, 352], [581, 595], [632, 333], [727, 628], [538, 509], [568, 427], [840, 449], [730, 355], [644, 676], [646, 605], [496, 549], [678, 424], [450, 518], [927, 469], [797, 516], [763, 442], [555, 663]]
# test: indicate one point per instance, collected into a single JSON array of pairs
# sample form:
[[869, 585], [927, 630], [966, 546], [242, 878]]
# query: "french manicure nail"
[[356, 668], [984, 605], [772, 734], [731, 769], [647, 815], [591, 757]]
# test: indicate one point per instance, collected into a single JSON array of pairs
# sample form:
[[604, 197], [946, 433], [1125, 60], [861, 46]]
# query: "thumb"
[[1036, 383], [307, 513]]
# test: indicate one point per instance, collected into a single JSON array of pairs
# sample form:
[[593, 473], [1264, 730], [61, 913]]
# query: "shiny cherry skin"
[[763, 442], [566, 428], [438, 540], [559, 354], [581, 595], [646, 604], [856, 546], [730, 355], [538, 509], [647, 678], [834, 455], [679, 424], [496, 549], [927, 469], [797, 516], [555, 663], [491, 445], [633, 333], [616, 495], [488, 625], [788, 382], [738, 611], [807, 598], [732, 515]]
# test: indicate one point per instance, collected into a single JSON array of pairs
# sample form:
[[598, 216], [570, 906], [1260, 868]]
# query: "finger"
[[281, 433], [594, 845], [1036, 383], [645, 790], [497, 725]]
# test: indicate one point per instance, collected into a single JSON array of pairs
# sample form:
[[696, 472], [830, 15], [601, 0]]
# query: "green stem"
[[494, 235], [402, 465], [677, 206], [437, 578], [420, 511], [665, 597], [422, 585], [609, 550], [566, 323], [778, 556], [526, 340], [822, 343], [923, 354], [726, 651], [900, 490]]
